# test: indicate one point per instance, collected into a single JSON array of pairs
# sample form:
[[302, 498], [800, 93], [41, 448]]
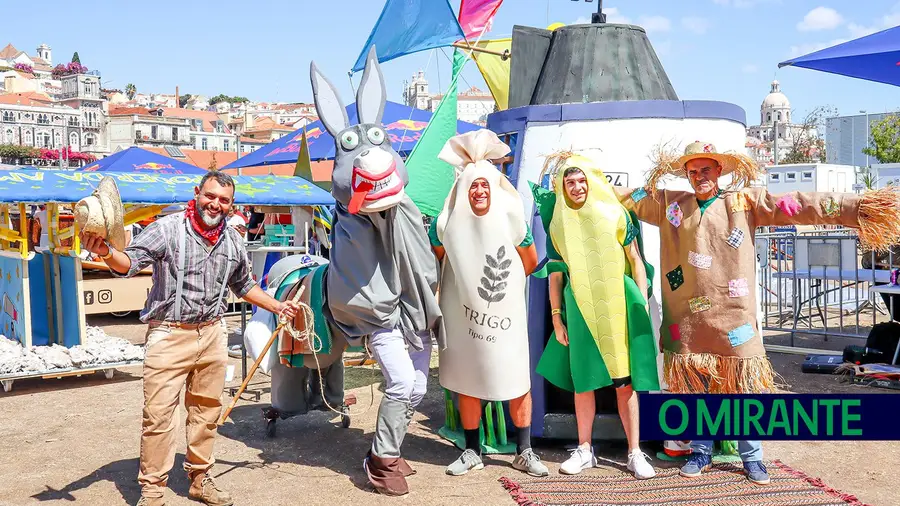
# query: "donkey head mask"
[[368, 174]]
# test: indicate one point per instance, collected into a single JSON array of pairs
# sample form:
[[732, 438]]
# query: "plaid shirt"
[[205, 267]]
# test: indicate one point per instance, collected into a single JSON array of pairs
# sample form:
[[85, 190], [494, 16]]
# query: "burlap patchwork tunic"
[[709, 331]]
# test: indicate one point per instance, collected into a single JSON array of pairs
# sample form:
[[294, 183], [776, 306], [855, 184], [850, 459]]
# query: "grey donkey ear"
[[372, 95], [328, 103]]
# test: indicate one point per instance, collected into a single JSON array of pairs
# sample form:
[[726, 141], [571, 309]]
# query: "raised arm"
[[648, 208], [875, 213]]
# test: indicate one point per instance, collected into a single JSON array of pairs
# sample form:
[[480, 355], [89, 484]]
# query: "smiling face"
[[703, 173], [480, 196], [576, 186], [213, 201], [375, 178]]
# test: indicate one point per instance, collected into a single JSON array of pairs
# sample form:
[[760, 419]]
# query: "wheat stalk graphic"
[[495, 273]]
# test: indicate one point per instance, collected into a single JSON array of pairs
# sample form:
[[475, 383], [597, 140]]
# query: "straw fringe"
[[554, 163], [879, 219], [664, 160], [691, 373]]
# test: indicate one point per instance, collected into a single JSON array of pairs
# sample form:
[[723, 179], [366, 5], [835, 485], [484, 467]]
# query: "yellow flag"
[[495, 69], [303, 168]]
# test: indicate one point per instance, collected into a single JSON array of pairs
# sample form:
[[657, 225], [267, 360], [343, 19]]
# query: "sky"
[[725, 50]]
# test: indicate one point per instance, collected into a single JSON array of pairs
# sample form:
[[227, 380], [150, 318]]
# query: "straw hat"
[[744, 168], [103, 213]]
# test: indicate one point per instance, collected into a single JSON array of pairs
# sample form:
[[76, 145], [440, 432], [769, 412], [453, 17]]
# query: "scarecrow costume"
[[609, 328], [709, 333], [482, 296]]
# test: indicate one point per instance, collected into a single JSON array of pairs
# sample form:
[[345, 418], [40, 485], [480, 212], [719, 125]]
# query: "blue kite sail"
[[65, 187], [409, 26], [403, 124], [874, 57], [135, 159]]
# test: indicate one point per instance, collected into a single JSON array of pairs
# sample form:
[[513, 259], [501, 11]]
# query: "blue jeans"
[[749, 450]]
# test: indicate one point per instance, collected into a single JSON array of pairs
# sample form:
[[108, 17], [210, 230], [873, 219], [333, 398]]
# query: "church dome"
[[776, 99]]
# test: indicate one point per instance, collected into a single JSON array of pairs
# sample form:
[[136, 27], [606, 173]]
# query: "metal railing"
[[816, 285]]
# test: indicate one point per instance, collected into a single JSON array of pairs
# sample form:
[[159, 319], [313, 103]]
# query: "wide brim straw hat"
[[743, 168], [103, 213]]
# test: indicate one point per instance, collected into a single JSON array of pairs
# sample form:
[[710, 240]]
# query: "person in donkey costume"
[[709, 334], [599, 286], [483, 295], [380, 285]]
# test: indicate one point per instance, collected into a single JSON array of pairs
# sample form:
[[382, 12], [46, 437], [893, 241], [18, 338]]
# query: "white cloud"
[[812, 47], [695, 24], [820, 18], [857, 31], [614, 16], [749, 68], [743, 4], [583, 20], [655, 23]]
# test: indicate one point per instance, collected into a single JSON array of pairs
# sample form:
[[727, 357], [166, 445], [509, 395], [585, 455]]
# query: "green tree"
[[183, 100], [225, 98], [807, 143], [884, 140], [131, 91], [75, 58], [16, 152]]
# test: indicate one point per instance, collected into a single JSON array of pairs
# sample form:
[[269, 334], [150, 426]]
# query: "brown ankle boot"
[[152, 501], [204, 489], [385, 475]]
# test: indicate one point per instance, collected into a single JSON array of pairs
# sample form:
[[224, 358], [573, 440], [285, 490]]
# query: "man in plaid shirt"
[[195, 257]]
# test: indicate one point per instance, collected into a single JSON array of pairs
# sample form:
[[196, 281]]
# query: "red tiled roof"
[[128, 111], [265, 124], [199, 157], [251, 140], [29, 98], [9, 52], [209, 117]]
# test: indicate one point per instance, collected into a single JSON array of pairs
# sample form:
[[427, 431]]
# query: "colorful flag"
[[476, 16], [303, 168], [430, 179], [495, 69], [322, 216], [408, 26]]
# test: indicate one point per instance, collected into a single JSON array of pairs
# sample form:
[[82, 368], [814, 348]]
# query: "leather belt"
[[186, 326]]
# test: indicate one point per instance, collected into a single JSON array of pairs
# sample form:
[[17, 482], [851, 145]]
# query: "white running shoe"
[[581, 459], [637, 464]]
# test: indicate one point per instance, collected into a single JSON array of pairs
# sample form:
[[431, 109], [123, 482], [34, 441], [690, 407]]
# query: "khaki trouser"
[[175, 357]]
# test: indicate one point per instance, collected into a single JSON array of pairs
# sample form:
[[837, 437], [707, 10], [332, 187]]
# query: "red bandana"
[[211, 235]]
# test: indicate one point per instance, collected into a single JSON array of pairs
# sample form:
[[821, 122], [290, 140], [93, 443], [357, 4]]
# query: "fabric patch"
[[788, 205], [735, 238], [675, 277], [740, 335], [674, 214], [675, 332], [738, 288], [831, 208], [638, 195], [699, 261], [740, 204], [699, 304]]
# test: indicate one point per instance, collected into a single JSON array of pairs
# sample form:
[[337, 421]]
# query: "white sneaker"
[[637, 464], [581, 459]]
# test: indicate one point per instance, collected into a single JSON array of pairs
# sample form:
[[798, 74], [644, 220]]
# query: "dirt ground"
[[77, 440]]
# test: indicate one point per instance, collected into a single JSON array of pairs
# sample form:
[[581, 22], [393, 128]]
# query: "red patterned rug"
[[724, 484]]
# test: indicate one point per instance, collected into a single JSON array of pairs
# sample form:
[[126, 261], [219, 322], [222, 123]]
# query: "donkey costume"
[[382, 279]]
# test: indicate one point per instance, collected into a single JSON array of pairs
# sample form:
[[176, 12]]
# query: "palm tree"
[[131, 91]]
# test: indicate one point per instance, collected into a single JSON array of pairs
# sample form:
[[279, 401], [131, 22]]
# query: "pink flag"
[[475, 16]]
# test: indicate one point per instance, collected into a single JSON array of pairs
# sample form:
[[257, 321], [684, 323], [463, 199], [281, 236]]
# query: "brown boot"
[[404, 468], [152, 501], [204, 489], [385, 475]]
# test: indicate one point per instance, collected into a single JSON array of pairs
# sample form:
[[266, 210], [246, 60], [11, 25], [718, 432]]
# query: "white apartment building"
[[138, 126], [472, 105]]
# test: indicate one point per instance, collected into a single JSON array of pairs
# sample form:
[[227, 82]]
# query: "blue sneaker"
[[756, 472], [696, 465]]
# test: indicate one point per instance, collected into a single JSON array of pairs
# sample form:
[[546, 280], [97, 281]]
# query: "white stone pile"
[[98, 349]]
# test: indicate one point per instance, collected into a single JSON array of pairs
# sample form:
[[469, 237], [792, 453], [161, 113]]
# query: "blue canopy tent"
[[874, 57], [135, 159], [39, 187], [403, 125]]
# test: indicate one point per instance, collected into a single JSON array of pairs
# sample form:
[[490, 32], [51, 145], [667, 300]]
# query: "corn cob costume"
[[609, 329]]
